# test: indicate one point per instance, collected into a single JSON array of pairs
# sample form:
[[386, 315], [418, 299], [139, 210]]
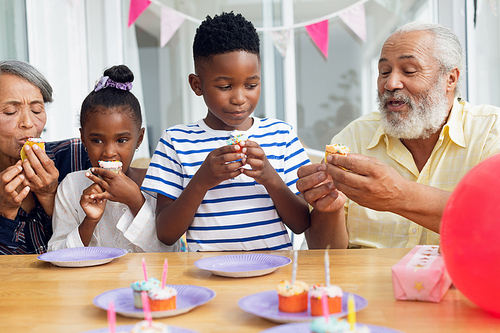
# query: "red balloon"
[[470, 235]]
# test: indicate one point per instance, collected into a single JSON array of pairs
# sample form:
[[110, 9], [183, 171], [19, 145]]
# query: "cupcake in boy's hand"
[[162, 299], [292, 297], [236, 138], [142, 285], [31, 142], [114, 166], [334, 297]]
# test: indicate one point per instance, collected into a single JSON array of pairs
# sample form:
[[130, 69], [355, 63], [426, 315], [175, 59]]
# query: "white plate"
[[188, 297], [82, 256], [243, 265]]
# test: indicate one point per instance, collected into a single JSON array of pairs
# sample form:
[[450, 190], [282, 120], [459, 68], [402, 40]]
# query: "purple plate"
[[82, 256], [243, 265], [128, 328], [188, 297], [304, 328], [265, 305]]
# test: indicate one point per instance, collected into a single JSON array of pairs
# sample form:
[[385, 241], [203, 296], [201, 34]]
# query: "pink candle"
[[111, 317], [324, 306], [144, 269], [164, 275], [146, 309]]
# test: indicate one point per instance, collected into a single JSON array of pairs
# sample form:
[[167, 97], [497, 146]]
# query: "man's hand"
[[318, 188]]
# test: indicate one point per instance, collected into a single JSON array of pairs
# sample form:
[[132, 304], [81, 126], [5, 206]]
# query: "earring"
[[137, 150], [85, 148]]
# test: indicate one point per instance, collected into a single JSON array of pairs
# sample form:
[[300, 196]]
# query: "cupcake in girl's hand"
[[142, 285], [31, 142], [114, 166], [162, 299], [156, 327], [292, 297], [334, 296]]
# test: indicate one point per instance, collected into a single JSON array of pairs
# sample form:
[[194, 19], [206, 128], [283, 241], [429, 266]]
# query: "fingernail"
[[26, 148], [87, 174], [322, 176], [20, 168], [35, 147], [91, 196], [21, 176]]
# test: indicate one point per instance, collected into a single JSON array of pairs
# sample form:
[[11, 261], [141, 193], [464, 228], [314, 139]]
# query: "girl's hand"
[[262, 171], [12, 193], [92, 204], [221, 164], [117, 187]]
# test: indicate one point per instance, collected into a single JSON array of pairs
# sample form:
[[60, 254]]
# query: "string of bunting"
[[353, 16]]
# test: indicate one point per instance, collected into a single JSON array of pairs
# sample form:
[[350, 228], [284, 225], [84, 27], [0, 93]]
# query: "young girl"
[[99, 207]]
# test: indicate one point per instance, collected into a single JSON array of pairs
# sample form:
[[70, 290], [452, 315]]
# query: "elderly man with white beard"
[[405, 159]]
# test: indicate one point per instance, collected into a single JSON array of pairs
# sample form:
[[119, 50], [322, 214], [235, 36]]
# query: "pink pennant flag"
[[280, 40], [355, 18], [170, 23], [136, 9], [319, 34]]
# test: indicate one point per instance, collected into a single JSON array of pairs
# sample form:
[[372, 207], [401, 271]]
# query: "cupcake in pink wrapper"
[[114, 166]]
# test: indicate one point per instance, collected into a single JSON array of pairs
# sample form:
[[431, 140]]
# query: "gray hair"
[[29, 73], [447, 48]]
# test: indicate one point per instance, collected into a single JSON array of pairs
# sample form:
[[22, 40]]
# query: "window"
[[13, 43]]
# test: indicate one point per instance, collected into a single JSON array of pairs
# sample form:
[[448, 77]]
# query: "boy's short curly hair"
[[222, 34]]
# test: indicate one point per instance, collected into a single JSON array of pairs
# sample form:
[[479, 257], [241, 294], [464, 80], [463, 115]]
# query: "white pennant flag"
[[355, 19], [280, 40], [170, 23]]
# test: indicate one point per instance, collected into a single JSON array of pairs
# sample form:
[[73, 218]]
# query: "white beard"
[[425, 115]]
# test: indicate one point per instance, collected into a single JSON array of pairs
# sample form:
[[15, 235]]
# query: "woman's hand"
[[12, 192], [41, 176]]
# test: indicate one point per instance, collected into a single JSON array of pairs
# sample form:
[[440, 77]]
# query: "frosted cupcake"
[[236, 138], [31, 142], [142, 285], [333, 325], [162, 299], [292, 297], [114, 166], [333, 294], [156, 327], [336, 149]]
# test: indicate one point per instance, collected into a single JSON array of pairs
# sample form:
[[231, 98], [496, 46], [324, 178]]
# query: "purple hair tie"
[[105, 82]]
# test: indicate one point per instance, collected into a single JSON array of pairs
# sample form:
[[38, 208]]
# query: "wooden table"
[[36, 296]]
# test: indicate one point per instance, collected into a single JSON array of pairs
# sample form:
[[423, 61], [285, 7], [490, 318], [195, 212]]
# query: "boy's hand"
[[261, 170], [221, 164], [117, 187], [92, 206]]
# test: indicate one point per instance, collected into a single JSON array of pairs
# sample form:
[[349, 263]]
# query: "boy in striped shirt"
[[228, 197]]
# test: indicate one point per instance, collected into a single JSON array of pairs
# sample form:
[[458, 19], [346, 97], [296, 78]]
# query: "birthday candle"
[[351, 312], [144, 269], [294, 270], [111, 317], [164, 275], [324, 305], [146, 309], [327, 269]]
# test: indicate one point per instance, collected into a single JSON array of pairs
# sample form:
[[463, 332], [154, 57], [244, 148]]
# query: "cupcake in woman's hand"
[[31, 142], [292, 297]]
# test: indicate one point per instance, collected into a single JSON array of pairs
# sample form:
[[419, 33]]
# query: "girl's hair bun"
[[119, 73]]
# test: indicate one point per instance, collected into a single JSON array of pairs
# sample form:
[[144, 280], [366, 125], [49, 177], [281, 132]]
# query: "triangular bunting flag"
[[319, 34], [170, 23], [136, 9], [355, 19], [280, 39]]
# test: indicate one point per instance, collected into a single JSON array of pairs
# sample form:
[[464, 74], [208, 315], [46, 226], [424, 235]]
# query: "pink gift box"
[[421, 275]]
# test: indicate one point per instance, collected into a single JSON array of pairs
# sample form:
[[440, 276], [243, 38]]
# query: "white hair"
[[447, 48], [29, 73]]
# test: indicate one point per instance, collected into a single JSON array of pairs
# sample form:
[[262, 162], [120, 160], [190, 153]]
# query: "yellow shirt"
[[470, 136]]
